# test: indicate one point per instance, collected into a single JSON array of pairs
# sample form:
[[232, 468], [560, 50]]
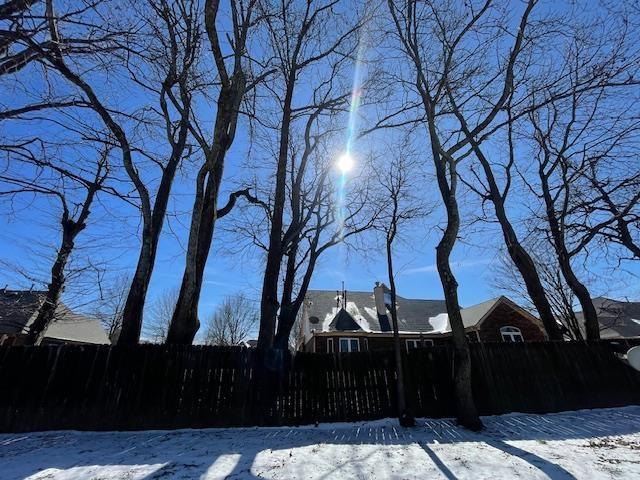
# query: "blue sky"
[[29, 235]]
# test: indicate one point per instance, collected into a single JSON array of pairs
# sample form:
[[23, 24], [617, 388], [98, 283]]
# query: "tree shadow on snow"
[[231, 453]]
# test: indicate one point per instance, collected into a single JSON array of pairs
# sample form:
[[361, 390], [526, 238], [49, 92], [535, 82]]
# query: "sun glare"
[[345, 163]]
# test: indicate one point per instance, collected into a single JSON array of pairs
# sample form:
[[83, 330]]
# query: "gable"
[[343, 321]]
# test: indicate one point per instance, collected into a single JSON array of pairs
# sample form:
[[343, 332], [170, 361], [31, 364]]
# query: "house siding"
[[373, 342], [504, 316]]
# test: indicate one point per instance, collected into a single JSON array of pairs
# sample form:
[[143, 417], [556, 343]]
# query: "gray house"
[[617, 319], [18, 309]]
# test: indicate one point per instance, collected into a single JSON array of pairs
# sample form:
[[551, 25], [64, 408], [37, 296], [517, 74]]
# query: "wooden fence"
[[156, 386]]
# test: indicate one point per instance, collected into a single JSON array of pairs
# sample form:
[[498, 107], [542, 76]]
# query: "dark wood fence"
[[155, 386]]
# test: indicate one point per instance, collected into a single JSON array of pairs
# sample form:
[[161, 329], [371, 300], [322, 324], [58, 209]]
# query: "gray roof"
[[616, 318], [18, 310], [414, 315]]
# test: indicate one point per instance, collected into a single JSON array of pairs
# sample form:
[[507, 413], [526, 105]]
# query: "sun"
[[345, 163]]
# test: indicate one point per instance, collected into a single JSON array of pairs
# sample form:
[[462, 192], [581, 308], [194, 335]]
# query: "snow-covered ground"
[[586, 444]]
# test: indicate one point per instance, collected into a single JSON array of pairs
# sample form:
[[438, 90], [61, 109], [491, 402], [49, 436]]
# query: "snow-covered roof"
[[414, 315]]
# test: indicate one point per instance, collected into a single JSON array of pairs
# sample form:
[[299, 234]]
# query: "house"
[[333, 321], [18, 310], [617, 319]]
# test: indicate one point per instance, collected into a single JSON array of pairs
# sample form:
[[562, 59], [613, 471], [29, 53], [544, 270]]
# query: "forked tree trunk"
[[520, 257], [46, 312], [269, 300], [70, 230], [185, 322], [592, 327]]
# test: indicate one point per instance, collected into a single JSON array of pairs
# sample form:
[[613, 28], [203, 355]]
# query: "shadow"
[[254, 452], [553, 471], [436, 460]]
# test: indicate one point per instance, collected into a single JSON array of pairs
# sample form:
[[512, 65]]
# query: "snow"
[[440, 323], [586, 444]]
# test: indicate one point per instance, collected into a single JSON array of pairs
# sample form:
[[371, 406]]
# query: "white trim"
[[412, 341]]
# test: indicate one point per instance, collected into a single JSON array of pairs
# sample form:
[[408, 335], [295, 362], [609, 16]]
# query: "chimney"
[[378, 295]]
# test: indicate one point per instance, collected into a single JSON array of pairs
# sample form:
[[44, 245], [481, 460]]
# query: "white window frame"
[[330, 345], [510, 334], [418, 343], [349, 340], [412, 341]]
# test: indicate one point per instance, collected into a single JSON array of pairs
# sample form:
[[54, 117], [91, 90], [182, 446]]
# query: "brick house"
[[333, 321]]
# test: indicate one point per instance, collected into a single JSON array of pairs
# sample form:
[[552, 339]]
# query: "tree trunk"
[[626, 239], [467, 414], [46, 312], [405, 418], [288, 310], [592, 327], [520, 257], [269, 300], [591, 324], [184, 322], [133, 309]]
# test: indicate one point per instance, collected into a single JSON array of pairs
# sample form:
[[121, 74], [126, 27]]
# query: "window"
[[412, 344], [474, 337], [511, 334], [417, 343], [349, 345], [330, 345]]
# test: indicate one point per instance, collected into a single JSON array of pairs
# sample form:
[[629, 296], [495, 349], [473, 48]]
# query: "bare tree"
[[59, 180], [157, 322], [586, 71], [306, 37], [562, 300], [109, 307], [572, 136], [26, 41], [235, 81], [434, 37], [614, 200], [403, 206], [173, 53], [235, 319]]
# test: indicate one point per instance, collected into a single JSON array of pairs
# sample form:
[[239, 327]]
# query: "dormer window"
[[511, 334]]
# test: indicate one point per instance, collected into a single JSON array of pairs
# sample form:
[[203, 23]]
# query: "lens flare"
[[345, 163]]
